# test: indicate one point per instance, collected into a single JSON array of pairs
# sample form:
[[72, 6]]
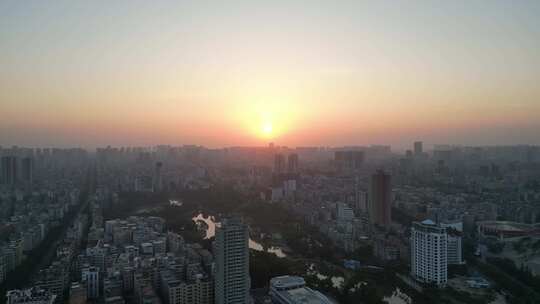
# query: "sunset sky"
[[222, 73]]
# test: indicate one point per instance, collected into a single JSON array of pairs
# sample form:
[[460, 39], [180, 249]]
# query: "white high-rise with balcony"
[[232, 262], [429, 243]]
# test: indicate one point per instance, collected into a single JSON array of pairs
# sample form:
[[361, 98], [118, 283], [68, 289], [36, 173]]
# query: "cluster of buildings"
[[55, 278], [41, 196], [481, 193], [32, 295], [15, 170], [347, 210], [137, 260], [33, 205], [284, 178], [343, 192], [465, 191], [163, 168]]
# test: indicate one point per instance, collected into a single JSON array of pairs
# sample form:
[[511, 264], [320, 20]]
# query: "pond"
[[176, 203], [398, 297], [210, 227], [337, 281]]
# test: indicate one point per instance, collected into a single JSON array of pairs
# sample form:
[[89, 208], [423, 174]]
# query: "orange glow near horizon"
[[263, 115], [215, 74]]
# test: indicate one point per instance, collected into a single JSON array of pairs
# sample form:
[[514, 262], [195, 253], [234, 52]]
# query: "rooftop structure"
[[293, 290], [506, 229]]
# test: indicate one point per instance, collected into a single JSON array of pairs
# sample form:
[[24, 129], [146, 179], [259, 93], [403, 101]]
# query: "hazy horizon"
[[244, 73]]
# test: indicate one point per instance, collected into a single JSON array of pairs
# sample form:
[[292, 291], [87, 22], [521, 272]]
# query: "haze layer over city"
[[278, 152]]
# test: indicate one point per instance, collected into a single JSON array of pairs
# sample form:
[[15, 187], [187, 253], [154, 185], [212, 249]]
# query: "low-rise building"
[[30, 296]]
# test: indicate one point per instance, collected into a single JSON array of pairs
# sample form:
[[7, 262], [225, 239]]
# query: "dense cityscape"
[[270, 152], [188, 224]]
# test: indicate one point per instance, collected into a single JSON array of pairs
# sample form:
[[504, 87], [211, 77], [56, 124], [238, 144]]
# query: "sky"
[[297, 73]]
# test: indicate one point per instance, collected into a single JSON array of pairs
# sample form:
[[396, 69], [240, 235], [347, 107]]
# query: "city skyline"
[[87, 74], [269, 152]]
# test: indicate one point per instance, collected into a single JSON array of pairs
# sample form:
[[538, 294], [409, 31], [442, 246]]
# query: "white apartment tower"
[[232, 262], [429, 243]]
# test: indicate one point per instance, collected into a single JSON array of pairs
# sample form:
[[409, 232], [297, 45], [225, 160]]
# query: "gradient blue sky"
[[93, 73]]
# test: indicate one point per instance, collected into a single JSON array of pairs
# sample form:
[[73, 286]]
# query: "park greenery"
[[308, 247]]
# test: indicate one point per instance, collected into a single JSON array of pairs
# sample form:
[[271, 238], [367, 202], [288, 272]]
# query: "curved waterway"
[[210, 227]]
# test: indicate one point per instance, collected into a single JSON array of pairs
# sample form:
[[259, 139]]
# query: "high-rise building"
[[9, 170], [344, 212], [90, 276], [27, 169], [17, 247], [429, 262], [361, 198], [418, 148], [157, 177], [381, 199], [454, 249], [3, 268], [279, 164], [350, 159], [361, 202], [232, 262], [292, 162]]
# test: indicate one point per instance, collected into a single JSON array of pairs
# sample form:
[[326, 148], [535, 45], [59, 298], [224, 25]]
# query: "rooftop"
[[291, 289], [304, 295], [287, 282], [428, 222]]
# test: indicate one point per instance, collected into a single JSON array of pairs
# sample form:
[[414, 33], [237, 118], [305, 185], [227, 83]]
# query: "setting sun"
[[265, 115], [267, 128]]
